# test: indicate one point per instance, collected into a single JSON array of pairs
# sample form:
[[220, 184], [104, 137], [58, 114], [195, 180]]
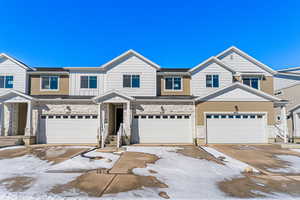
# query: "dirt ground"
[[262, 157]]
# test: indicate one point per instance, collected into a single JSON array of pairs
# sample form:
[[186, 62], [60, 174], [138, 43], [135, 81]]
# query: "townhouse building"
[[227, 98]]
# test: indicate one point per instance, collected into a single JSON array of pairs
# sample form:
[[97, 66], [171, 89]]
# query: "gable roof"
[[21, 64], [248, 57], [127, 53], [113, 92], [17, 93], [241, 86], [212, 59], [290, 69]]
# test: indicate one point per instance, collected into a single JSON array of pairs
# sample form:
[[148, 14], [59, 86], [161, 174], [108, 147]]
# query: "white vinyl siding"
[[136, 66], [241, 64], [75, 88], [9, 68], [282, 81], [198, 82]]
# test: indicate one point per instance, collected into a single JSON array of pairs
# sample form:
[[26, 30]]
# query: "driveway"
[[184, 172], [270, 159]]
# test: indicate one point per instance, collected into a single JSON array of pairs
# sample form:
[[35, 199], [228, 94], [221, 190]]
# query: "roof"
[[289, 69], [16, 61], [128, 53], [241, 86], [113, 92], [245, 55], [212, 59], [50, 69], [174, 69], [166, 97], [61, 97], [17, 93]]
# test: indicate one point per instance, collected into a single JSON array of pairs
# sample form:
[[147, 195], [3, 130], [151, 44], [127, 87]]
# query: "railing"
[[104, 133], [280, 133], [120, 133]]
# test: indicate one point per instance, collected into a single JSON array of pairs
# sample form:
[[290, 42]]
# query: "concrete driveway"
[[269, 159]]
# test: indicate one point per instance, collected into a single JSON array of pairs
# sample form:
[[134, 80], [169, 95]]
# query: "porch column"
[[128, 119], [28, 129], [99, 123], [284, 126], [2, 119]]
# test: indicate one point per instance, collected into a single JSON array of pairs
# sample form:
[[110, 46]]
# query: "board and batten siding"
[[241, 64], [75, 83], [9, 68], [136, 66], [198, 81]]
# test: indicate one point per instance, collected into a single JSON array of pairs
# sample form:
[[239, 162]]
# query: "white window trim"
[[259, 81], [88, 83], [211, 74], [172, 90], [131, 81], [58, 85], [5, 75]]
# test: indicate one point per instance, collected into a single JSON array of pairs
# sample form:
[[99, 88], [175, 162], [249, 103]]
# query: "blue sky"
[[170, 33]]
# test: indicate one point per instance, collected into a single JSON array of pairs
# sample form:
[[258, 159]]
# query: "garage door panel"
[[68, 130], [162, 130], [236, 130]]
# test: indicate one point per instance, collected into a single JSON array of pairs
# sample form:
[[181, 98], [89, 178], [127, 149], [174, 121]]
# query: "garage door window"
[[234, 116]]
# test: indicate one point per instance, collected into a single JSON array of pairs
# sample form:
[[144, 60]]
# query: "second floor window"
[[131, 81], [251, 81], [173, 83], [212, 81], [49, 83], [88, 82], [6, 81]]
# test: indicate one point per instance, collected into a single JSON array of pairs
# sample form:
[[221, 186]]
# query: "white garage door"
[[162, 129], [68, 129], [246, 128]]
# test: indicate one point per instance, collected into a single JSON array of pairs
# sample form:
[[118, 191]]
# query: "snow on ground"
[[229, 160], [298, 150], [293, 162], [187, 177], [12, 147], [81, 163], [33, 167]]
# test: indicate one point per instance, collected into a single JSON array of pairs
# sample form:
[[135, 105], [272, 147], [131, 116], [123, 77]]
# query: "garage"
[[236, 128], [68, 129], [162, 129]]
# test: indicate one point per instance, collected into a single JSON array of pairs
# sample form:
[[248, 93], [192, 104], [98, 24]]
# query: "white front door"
[[162, 129], [68, 129], [240, 128]]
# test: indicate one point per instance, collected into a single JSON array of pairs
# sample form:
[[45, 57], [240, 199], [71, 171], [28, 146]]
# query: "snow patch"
[[81, 163], [293, 162], [231, 162]]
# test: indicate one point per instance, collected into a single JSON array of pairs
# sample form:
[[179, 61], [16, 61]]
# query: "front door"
[[119, 118]]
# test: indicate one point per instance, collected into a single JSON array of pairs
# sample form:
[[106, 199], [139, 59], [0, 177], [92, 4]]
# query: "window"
[[131, 81], [88, 82], [6, 81], [212, 81], [173, 83], [251, 81], [49, 82]]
